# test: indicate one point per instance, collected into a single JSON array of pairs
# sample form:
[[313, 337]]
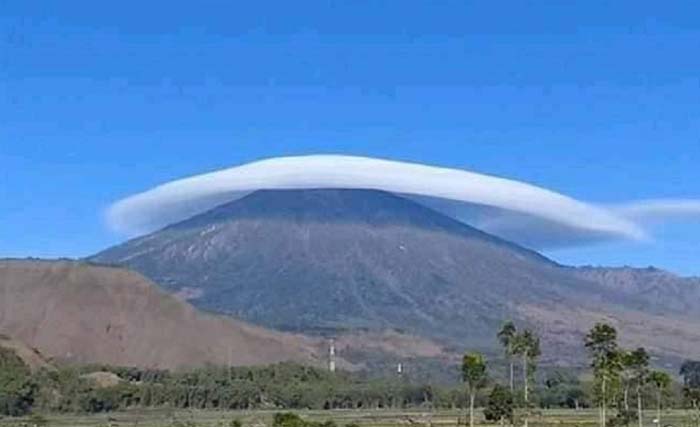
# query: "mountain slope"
[[653, 289], [324, 259], [87, 314]]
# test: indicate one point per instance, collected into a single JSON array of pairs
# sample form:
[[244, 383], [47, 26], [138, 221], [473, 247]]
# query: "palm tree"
[[507, 336], [527, 346]]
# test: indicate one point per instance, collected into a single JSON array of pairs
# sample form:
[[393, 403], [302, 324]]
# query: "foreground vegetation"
[[415, 417], [622, 380], [622, 390]]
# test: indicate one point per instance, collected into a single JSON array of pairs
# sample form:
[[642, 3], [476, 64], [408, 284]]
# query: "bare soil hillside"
[[81, 313]]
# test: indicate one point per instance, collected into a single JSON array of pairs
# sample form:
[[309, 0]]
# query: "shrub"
[[500, 405]]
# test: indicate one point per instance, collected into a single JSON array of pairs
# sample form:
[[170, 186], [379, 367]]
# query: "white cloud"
[[659, 210], [515, 210]]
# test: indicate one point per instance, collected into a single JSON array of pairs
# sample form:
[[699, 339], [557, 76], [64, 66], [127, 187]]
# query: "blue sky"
[[597, 100]]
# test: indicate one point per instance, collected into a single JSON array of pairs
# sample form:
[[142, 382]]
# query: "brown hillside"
[[81, 313]]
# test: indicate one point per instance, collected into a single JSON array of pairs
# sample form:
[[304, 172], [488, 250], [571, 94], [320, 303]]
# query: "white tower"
[[331, 356]]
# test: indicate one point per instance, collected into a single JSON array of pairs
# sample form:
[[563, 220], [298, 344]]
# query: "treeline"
[[281, 386], [622, 382]]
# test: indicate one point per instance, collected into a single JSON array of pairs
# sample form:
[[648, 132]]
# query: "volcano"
[[329, 260]]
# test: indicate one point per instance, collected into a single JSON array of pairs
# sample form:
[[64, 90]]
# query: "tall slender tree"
[[639, 362], [601, 342], [507, 336], [626, 377], [474, 376], [534, 351], [661, 382], [527, 346]]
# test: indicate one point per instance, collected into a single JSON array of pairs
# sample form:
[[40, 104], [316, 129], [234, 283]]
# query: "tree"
[[507, 336], [527, 346], [474, 376], [690, 371], [601, 343], [499, 407], [639, 363], [661, 382], [562, 388], [626, 374]]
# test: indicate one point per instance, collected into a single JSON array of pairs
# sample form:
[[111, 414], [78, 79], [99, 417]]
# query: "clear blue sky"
[[598, 100]]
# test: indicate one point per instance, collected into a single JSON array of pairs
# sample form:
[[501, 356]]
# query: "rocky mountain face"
[[78, 313], [654, 290], [330, 260]]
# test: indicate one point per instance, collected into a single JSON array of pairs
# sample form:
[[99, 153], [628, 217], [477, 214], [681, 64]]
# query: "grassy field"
[[377, 418]]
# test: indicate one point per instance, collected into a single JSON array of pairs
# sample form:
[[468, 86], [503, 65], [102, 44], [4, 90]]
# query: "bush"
[[16, 388], [500, 405], [288, 419]]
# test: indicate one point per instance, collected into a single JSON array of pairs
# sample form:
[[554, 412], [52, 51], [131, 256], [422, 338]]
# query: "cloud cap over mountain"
[[515, 210]]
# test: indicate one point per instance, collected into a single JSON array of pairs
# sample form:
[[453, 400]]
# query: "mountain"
[[328, 260], [81, 313]]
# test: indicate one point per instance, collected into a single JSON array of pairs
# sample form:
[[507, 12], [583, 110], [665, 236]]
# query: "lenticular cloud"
[[514, 210]]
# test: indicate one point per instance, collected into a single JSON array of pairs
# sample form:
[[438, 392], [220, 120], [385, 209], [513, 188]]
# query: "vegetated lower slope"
[[310, 260], [31, 357], [80, 313]]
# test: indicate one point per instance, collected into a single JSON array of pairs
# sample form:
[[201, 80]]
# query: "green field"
[[369, 418]]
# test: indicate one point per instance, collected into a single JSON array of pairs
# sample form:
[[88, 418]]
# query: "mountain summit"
[[315, 260]]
